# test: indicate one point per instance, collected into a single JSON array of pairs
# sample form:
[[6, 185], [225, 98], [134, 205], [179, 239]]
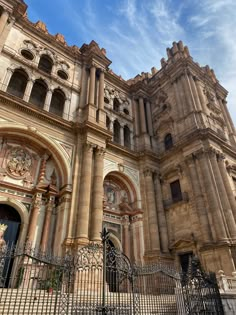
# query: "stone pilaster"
[[228, 188], [34, 217], [227, 212], [97, 196], [149, 118], [194, 92], [85, 191], [3, 20], [47, 223], [179, 104], [228, 115], [136, 117], [151, 209], [164, 242], [201, 94], [199, 200], [101, 90], [214, 207], [92, 84], [142, 115]]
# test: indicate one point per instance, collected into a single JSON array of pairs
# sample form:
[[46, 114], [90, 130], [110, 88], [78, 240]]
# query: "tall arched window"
[[57, 102], [116, 105], [18, 82], [38, 93], [45, 63], [116, 131], [168, 141], [127, 142]]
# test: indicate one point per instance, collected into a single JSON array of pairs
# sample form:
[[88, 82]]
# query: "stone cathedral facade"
[[152, 158]]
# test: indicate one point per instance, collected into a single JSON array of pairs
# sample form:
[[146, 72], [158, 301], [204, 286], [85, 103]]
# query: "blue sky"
[[136, 33]]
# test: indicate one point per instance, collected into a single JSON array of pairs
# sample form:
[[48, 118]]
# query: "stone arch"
[[38, 138], [115, 240], [24, 215], [128, 175]]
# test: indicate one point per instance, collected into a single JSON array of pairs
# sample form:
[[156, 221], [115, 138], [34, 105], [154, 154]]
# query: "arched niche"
[[35, 138]]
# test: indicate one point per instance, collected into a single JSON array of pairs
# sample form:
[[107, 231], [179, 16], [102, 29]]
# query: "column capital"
[[189, 159], [220, 156], [148, 171], [100, 151], [89, 146], [212, 152]]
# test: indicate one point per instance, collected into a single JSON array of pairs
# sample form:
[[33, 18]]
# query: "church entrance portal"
[[10, 217]]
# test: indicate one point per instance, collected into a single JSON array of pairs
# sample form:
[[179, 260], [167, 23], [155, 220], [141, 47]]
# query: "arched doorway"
[[10, 217]]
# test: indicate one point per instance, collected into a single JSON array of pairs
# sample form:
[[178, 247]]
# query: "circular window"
[[126, 111], [62, 74], [27, 54]]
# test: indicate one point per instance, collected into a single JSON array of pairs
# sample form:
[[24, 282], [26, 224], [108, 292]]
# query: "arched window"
[[168, 141], [127, 137], [116, 131], [38, 93], [45, 63], [116, 105], [108, 122], [17, 84], [57, 102]]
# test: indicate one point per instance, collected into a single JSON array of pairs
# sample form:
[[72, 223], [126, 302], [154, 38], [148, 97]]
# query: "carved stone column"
[[225, 116], [151, 209], [187, 93], [122, 135], [225, 108], [214, 206], [47, 223], [34, 217], [3, 20], [126, 236], [48, 100], [142, 115], [195, 93], [66, 111], [228, 188], [85, 190], [223, 197], [200, 94], [149, 118], [101, 90], [179, 104], [7, 79], [161, 216], [28, 90], [92, 84], [97, 196], [199, 200], [136, 117]]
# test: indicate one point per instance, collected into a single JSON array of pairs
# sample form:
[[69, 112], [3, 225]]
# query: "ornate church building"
[[153, 158]]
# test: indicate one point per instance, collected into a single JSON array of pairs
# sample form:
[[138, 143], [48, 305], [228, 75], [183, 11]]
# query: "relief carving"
[[19, 162]]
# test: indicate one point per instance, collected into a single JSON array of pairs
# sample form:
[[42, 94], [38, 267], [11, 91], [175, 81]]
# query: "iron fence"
[[97, 279]]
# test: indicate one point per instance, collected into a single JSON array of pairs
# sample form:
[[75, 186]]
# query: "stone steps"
[[32, 302]]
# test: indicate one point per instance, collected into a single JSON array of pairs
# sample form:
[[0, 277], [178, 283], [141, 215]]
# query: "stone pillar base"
[[102, 118]]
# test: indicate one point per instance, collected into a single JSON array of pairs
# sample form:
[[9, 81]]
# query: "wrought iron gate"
[[200, 291], [98, 279]]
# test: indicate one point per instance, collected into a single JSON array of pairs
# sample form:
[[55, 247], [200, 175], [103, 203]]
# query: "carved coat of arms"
[[19, 162]]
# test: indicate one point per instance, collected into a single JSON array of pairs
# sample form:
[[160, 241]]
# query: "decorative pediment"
[[92, 50]]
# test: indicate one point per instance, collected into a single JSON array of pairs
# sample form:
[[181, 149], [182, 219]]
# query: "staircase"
[[32, 302]]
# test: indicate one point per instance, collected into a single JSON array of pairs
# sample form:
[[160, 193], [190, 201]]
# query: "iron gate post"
[[105, 237]]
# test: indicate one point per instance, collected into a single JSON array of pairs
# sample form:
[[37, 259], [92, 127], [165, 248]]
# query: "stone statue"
[[3, 228]]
